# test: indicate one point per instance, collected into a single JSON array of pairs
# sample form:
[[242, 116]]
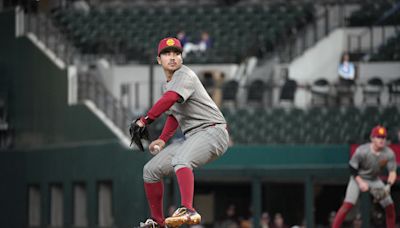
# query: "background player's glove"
[[138, 133], [380, 193]]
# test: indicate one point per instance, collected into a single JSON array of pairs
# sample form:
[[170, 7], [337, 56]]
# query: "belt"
[[204, 126]]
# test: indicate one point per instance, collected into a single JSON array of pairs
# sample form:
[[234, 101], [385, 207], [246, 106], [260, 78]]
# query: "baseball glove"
[[138, 133], [380, 193]]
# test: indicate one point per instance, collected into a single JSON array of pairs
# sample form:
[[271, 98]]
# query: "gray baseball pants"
[[196, 150], [353, 191]]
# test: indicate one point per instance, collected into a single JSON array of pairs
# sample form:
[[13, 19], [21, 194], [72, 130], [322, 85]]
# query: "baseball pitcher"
[[188, 106]]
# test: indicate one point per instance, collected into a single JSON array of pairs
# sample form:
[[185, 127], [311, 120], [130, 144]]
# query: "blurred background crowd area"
[[296, 80], [272, 61]]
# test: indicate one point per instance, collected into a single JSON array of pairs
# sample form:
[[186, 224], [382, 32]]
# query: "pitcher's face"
[[171, 60]]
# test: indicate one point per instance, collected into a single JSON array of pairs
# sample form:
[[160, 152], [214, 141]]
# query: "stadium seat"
[[372, 91], [316, 125], [345, 90], [390, 116], [333, 116], [320, 92], [394, 91], [229, 92], [255, 92], [288, 91], [371, 114], [351, 116]]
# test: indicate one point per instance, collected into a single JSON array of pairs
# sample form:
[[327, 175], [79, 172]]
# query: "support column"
[[256, 199], [365, 209], [92, 203], [309, 201], [44, 198], [67, 204]]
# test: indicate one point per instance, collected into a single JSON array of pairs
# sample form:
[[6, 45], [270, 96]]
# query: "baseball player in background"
[[188, 106], [365, 166]]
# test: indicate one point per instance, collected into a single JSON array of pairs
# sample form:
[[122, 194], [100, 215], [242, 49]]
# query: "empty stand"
[[389, 50], [236, 31], [371, 11], [316, 125], [390, 117]]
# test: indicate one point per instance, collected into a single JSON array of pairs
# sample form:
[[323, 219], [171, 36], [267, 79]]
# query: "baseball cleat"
[[182, 216], [150, 223]]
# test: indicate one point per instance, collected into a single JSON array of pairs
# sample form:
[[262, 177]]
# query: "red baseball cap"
[[169, 43], [379, 131]]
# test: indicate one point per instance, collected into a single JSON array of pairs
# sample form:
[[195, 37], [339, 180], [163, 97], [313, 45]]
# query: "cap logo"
[[170, 42], [381, 131]]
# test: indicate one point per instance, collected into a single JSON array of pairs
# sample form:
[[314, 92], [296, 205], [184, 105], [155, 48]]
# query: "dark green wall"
[[6, 37], [7, 28], [42, 119], [41, 113], [248, 156], [38, 91], [108, 161], [102, 161], [280, 162]]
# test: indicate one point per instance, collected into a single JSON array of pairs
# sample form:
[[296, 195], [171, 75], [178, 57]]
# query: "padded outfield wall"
[[66, 166], [89, 164]]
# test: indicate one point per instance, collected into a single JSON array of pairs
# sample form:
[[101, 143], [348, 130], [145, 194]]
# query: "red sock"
[[390, 216], [154, 194], [341, 214], [186, 186]]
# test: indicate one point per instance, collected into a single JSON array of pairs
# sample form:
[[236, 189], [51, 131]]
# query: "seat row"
[[313, 126], [371, 11], [235, 31]]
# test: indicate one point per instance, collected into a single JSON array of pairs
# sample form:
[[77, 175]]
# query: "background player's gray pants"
[[198, 149], [353, 191]]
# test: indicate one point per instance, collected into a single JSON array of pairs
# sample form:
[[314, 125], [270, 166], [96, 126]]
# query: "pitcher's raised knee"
[[151, 173]]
